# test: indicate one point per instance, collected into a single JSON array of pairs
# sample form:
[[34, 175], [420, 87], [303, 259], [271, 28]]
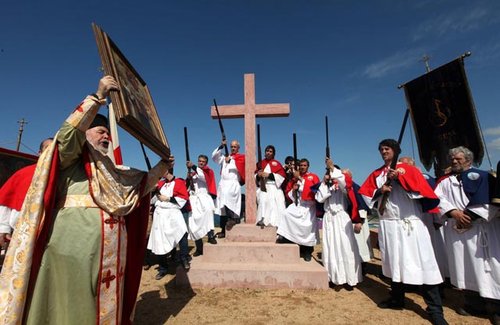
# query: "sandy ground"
[[162, 302]]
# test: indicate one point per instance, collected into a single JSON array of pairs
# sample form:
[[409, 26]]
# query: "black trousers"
[[430, 293]]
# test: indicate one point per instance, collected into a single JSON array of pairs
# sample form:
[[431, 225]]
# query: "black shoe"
[[160, 275], [307, 258], [212, 240], [348, 287], [230, 224], [438, 319], [221, 234], [185, 265], [197, 253], [261, 224], [496, 319], [470, 311], [391, 304]]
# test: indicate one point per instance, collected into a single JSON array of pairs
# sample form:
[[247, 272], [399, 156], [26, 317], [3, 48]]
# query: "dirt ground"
[[162, 302]]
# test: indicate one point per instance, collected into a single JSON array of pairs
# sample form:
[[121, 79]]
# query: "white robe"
[[405, 244], [299, 223], [363, 239], [473, 256], [438, 243], [168, 223], [229, 188], [201, 218], [271, 204], [340, 253]]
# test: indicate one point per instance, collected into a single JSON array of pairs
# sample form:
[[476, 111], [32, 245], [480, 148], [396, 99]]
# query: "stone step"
[[300, 275], [250, 252], [251, 233]]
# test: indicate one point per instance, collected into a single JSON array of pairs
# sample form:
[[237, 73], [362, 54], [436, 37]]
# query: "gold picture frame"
[[133, 105]]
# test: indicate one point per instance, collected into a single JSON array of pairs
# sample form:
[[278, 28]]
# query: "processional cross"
[[249, 111]]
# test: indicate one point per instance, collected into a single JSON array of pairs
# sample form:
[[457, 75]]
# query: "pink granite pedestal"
[[249, 258]]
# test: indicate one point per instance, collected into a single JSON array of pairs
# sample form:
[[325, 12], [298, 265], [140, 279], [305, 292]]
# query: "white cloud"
[[460, 20], [492, 131], [402, 59], [495, 144]]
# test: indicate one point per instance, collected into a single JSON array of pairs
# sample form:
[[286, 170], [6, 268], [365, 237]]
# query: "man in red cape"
[[270, 199], [405, 244], [232, 177], [12, 195], [202, 193]]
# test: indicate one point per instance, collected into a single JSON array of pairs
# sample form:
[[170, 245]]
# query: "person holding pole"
[[270, 198], [228, 202], [405, 244]]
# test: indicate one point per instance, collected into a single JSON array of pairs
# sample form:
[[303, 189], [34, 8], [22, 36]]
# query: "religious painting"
[[11, 161], [134, 108], [443, 115]]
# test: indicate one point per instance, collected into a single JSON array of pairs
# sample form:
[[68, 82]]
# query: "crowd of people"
[[81, 233]]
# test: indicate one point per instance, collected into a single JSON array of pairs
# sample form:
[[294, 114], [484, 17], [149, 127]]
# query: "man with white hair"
[[472, 233], [76, 255], [232, 176]]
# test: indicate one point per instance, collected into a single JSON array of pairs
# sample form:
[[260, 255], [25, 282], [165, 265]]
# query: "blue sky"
[[343, 59]]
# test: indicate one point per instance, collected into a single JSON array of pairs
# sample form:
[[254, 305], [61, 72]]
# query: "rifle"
[[221, 128], [394, 162], [295, 192], [189, 179], [261, 181], [329, 183]]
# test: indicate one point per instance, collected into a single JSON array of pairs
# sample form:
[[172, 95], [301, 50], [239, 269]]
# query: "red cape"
[[180, 189], [14, 191], [210, 178], [239, 160], [308, 194], [276, 167], [411, 179], [353, 203]]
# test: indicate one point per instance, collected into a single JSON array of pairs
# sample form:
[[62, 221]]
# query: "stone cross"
[[249, 111]]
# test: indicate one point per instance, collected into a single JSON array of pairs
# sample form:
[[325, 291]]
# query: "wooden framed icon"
[[134, 108]]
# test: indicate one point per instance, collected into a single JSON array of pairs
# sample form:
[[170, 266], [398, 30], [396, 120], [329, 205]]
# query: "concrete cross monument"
[[249, 111]]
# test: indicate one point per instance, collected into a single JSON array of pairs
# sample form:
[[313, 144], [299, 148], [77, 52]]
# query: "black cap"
[[99, 120]]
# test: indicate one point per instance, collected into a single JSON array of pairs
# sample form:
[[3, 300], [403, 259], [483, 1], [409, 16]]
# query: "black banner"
[[443, 115]]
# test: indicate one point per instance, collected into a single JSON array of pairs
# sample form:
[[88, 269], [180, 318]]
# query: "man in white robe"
[[340, 253], [201, 193], [299, 224], [405, 245], [472, 233], [270, 198], [169, 228], [232, 176]]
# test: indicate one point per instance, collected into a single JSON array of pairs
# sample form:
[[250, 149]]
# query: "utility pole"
[[21, 129], [426, 60]]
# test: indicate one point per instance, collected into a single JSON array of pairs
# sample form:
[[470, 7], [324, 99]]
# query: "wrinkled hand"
[[392, 174], [296, 174], [106, 84], [386, 188], [4, 238], [357, 227], [189, 164], [262, 174], [329, 163], [163, 198], [170, 161], [463, 220]]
